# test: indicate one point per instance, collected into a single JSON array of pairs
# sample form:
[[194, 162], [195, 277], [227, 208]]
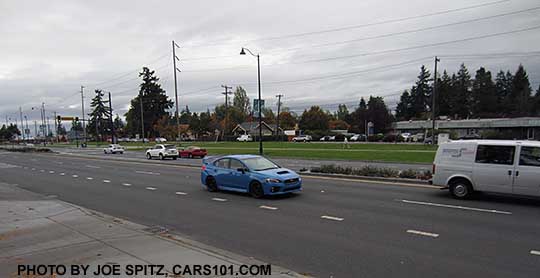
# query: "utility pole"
[[35, 130], [56, 127], [82, 107], [226, 93], [26, 120], [278, 111], [43, 123], [142, 115], [174, 46], [112, 122], [22, 124], [433, 95]]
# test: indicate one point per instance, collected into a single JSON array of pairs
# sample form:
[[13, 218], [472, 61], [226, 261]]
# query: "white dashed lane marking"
[[92, 166], [416, 232], [33, 169], [332, 218], [534, 252], [89, 178], [75, 176], [51, 172], [180, 193], [267, 207], [151, 188], [126, 184], [62, 174], [106, 181], [455, 207], [148, 173], [42, 170], [219, 200]]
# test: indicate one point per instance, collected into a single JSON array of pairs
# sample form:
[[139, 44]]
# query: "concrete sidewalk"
[[36, 229]]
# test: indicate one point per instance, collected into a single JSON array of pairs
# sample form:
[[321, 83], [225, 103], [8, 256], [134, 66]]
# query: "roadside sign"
[[67, 118], [256, 107]]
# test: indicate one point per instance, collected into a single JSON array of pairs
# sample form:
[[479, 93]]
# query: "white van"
[[502, 166]]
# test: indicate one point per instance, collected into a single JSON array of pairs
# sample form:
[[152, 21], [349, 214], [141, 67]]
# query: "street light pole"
[[243, 52], [174, 46]]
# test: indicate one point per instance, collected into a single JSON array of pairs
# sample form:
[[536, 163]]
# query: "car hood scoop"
[[282, 172]]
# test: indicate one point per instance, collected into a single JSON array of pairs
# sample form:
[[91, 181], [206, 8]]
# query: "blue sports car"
[[252, 174]]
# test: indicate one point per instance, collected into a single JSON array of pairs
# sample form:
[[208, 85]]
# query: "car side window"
[[488, 154], [235, 164], [530, 156], [222, 163]]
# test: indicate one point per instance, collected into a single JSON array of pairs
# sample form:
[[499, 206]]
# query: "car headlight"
[[273, 180]]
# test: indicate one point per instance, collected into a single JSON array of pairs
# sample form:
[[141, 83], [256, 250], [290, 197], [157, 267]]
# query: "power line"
[[337, 29]]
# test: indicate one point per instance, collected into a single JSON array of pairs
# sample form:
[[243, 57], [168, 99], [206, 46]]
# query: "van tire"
[[461, 188]]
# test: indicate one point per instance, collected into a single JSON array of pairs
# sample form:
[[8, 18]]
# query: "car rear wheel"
[[211, 184], [190, 155], [461, 189], [104, 151], [174, 158], [161, 156], [256, 190], [148, 156]]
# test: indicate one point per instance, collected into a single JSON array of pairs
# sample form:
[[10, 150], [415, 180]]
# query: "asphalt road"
[[334, 228], [291, 163]]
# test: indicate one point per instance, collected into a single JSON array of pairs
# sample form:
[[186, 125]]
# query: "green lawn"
[[387, 152]]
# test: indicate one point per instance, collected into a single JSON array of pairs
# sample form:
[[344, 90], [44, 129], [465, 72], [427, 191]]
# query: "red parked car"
[[193, 151]]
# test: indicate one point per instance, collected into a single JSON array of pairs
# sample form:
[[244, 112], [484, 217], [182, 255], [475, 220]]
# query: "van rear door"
[[494, 168], [527, 174]]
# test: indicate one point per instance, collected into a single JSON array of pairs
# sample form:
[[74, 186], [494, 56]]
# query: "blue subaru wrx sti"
[[252, 174]]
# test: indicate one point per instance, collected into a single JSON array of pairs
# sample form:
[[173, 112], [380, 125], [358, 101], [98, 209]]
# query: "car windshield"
[[259, 164], [170, 147]]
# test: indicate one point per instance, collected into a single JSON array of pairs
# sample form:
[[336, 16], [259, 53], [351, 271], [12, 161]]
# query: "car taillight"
[[203, 167], [433, 169]]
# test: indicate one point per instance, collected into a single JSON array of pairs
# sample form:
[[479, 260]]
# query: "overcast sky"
[[48, 49]]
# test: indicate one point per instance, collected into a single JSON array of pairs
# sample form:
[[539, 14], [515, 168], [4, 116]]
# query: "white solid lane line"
[[267, 207], [89, 178], [106, 181], [219, 199], [455, 207], [92, 166], [332, 218], [422, 233], [151, 188], [126, 184], [148, 173], [75, 176], [180, 193], [534, 252]]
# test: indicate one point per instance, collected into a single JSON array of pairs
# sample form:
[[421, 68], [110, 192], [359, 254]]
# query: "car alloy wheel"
[[256, 190], [161, 156], [211, 184], [148, 156]]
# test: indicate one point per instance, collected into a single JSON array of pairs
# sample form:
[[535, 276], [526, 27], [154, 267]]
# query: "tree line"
[[460, 96]]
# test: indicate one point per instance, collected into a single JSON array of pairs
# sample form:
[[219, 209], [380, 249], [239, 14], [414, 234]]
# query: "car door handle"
[[509, 172], [517, 173]]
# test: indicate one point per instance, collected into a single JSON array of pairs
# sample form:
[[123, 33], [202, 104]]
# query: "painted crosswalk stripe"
[[180, 193], [416, 232], [534, 252], [106, 181], [332, 218], [151, 188], [267, 207], [126, 184], [219, 199]]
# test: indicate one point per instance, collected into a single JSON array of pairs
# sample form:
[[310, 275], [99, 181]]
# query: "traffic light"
[[58, 118], [76, 119]]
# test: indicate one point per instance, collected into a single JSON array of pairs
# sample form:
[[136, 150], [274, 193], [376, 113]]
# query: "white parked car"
[[244, 138], [114, 148], [162, 151], [500, 166], [161, 140], [406, 136], [302, 138]]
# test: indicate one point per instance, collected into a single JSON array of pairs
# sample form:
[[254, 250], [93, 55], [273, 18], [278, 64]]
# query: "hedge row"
[[372, 171]]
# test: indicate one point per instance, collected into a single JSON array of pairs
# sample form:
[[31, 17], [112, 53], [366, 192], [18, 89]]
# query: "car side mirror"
[[242, 170]]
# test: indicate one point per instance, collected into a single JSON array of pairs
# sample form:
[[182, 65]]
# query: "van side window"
[[495, 154], [529, 156]]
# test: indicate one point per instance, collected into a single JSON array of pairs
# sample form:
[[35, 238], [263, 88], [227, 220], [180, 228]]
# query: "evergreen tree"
[[155, 105], [342, 113], [99, 116], [520, 95], [404, 107], [358, 117], [503, 87], [444, 95], [484, 104], [535, 107], [421, 94], [378, 114], [461, 100]]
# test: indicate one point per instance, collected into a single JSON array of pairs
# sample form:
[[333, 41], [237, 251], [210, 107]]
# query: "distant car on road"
[[328, 138], [244, 138], [252, 174], [162, 151], [358, 137], [406, 136], [160, 140], [302, 138], [114, 148], [193, 151]]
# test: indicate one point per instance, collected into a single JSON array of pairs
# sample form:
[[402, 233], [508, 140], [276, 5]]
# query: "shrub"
[[408, 174], [370, 171]]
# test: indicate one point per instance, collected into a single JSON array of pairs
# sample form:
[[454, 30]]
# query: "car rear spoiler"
[[210, 159]]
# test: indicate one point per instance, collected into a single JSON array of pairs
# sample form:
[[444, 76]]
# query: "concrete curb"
[[388, 180]]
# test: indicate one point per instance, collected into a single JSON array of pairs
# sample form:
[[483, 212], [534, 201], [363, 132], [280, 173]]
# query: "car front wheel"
[[161, 156], [148, 156], [256, 190]]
